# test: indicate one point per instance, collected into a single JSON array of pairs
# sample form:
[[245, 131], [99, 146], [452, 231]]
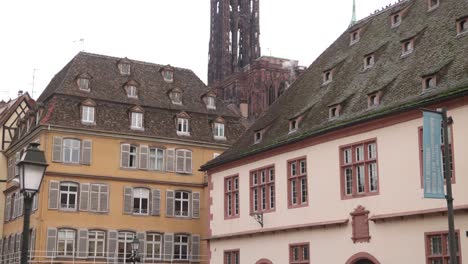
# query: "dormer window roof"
[[327, 77], [83, 81], [167, 73], [124, 66], [355, 36], [176, 96]]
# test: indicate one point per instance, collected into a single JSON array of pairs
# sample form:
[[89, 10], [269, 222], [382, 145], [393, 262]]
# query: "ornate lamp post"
[[135, 246], [32, 167]]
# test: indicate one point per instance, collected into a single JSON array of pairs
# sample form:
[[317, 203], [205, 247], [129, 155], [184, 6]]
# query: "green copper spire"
[[353, 19]]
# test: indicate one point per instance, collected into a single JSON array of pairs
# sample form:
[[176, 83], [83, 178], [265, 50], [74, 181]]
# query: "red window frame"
[[352, 165], [297, 177], [231, 197], [444, 254], [230, 256], [262, 190], [300, 258], [420, 141]]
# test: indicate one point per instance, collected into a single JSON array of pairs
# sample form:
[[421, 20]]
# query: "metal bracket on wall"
[[259, 218]]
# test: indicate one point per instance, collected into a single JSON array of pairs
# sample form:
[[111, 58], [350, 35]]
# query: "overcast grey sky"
[[45, 34]]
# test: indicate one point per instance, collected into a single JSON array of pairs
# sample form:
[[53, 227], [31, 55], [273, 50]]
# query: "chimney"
[[20, 93]]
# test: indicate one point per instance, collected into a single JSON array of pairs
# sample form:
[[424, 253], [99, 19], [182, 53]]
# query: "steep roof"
[[62, 99], [438, 50]]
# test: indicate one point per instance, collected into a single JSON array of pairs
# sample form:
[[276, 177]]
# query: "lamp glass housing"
[[135, 244], [32, 167]]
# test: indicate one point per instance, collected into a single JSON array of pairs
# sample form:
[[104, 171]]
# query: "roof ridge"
[[102, 56], [380, 11]]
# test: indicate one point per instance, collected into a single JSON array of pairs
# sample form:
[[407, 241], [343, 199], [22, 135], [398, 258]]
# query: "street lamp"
[[135, 246], [32, 167]]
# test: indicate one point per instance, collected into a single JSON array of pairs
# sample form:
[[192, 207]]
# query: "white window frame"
[[155, 155], [132, 155], [154, 243], [68, 194], [83, 84], [168, 76], [64, 237], [87, 114], [141, 194], [125, 68], [210, 102], [410, 49], [182, 200], [99, 238], [71, 148], [132, 91], [176, 98], [136, 120], [219, 131], [180, 244], [183, 126], [184, 153]]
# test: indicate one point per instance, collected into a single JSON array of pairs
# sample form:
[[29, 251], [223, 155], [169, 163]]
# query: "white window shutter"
[[188, 161], [57, 149], [104, 198], [142, 238], [128, 200], [195, 252], [144, 157], [180, 161], [20, 204], [82, 247], [170, 159], [8, 207], [196, 205], [168, 246], [51, 242], [17, 159], [32, 243], [54, 194], [86, 152], [35, 202], [94, 198], [124, 155], [156, 202], [84, 197], [169, 203], [112, 246]]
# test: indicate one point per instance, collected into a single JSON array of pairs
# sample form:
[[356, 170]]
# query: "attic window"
[[429, 82], [168, 75], [183, 127], [462, 25], [294, 124], [124, 68], [176, 97], [132, 91], [369, 61], [258, 137], [396, 20], [327, 76], [373, 99], [83, 84], [219, 131], [408, 47], [355, 37], [210, 102], [433, 4], [334, 111]]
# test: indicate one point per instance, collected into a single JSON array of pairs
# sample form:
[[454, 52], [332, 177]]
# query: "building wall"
[[399, 186]]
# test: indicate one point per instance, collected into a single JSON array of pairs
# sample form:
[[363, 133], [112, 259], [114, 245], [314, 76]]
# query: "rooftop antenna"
[[81, 43], [33, 81], [353, 18]]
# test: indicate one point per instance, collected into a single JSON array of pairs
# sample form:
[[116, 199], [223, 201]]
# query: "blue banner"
[[432, 156]]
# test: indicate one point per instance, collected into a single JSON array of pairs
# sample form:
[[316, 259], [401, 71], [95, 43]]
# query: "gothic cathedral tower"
[[235, 34]]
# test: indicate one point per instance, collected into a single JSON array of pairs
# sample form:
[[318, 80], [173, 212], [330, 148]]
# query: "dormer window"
[[83, 84], [373, 99], [176, 97], [137, 121], [433, 4], [219, 131], [355, 37], [462, 25], [327, 77], [408, 47], [132, 91], [369, 61], [429, 82], [124, 68], [258, 137], [334, 111], [168, 76], [396, 20], [183, 126], [210, 102], [88, 112]]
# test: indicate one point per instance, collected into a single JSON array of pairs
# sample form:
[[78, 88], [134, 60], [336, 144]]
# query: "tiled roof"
[[438, 50], [62, 99]]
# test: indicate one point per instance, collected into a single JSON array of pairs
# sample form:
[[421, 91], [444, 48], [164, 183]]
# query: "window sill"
[[137, 129], [220, 138], [263, 212], [211, 107], [326, 83], [65, 210], [462, 34], [85, 90], [86, 123], [432, 8], [357, 196], [298, 205], [231, 217], [406, 54], [396, 25], [184, 134], [353, 42]]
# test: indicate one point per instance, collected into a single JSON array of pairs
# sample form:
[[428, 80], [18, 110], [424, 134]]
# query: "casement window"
[[138, 201], [451, 153], [462, 25], [124, 246], [73, 151], [168, 76], [395, 20], [176, 97], [369, 61], [231, 197], [327, 77], [156, 159], [96, 243], [124, 68], [98, 198], [183, 126], [181, 203], [219, 131], [297, 183], [137, 120], [210, 102], [355, 36], [68, 196], [432, 4], [299, 253], [437, 247], [408, 47], [262, 190], [181, 247], [184, 161], [231, 257], [87, 114], [129, 156], [141, 201], [154, 246], [131, 91], [83, 84], [429, 82], [359, 170], [66, 239]]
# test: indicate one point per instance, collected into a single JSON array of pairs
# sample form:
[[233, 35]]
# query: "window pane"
[[360, 179]]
